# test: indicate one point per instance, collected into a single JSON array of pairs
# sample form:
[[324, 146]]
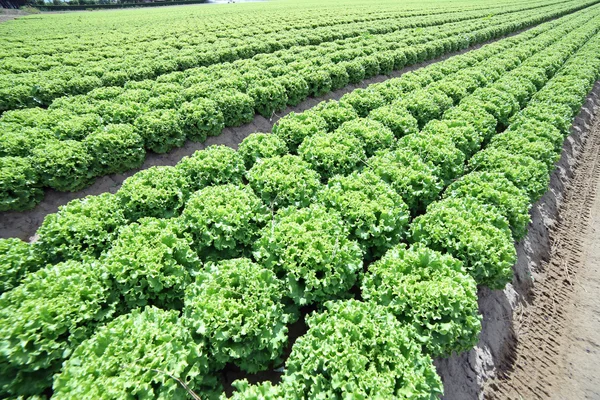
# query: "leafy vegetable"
[[376, 214], [139, 353], [284, 181], [214, 165], [373, 134], [476, 234], [162, 130], [223, 220], [82, 227], [151, 263], [19, 184], [294, 128], [495, 189], [154, 192], [409, 175], [429, 291], [248, 298], [359, 350], [17, 260], [332, 153], [116, 148], [45, 318], [309, 249], [64, 165], [261, 145]]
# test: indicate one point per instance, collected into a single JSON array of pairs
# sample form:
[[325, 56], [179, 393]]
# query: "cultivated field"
[[344, 253]]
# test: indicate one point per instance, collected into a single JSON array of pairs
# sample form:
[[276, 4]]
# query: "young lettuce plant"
[[17, 260], [115, 148], [414, 179], [159, 192], [430, 291], [332, 153], [373, 134], [19, 184], [151, 263], [494, 189], [284, 181], [261, 145], [396, 118], [81, 228], [215, 165], [309, 249], [294, 128], [358, 350], [526, 173], [148, 352], [45, 318], [64, 165], [474, 233], [249, 298], [223, 221], [375, 213]]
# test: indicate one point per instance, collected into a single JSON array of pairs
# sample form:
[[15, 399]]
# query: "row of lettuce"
[[114, 66], [108, 130], [206, 26], [152, 291]]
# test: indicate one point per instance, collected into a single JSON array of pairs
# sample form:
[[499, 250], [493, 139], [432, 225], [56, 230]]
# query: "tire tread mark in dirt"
[[536, 368]]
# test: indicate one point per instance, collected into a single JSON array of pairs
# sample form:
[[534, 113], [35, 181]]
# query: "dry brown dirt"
[[557, 351]]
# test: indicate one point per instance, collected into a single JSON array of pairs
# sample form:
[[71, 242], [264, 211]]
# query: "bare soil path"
[[557, 353]]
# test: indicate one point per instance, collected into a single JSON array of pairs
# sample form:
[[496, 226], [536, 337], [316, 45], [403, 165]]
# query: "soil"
[[24, 224], [557, 353], [7, 15], [540, 336]]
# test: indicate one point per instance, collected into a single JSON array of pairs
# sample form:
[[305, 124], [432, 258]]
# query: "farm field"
[[343, 254]]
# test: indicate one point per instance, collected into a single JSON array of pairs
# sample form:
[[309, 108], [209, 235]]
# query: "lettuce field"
[[334, 257]]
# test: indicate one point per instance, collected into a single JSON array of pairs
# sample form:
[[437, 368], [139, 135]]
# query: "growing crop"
[[116, 148], [45, 318], [17, 260], [19, 184], [476, 234], [223, 220], [261, 145], [310, 251], [82, 228], [159, 192], [409, 175], [284, 181], [374, 211], [429, 291], [495, 189], [143, 352], [355, 349], [151, 263], [373, 134], [333, 153], [215, 165], [396, 118], [238, 306], [294, 128]]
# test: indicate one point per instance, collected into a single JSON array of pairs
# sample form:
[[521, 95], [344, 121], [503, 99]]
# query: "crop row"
[[188, 268], [44, 53], [109, 129], [79, 76], [159, 27]]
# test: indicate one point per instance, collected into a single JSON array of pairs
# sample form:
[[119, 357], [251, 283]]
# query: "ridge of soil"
[[557, 354], [24, 224], [528, 331]]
